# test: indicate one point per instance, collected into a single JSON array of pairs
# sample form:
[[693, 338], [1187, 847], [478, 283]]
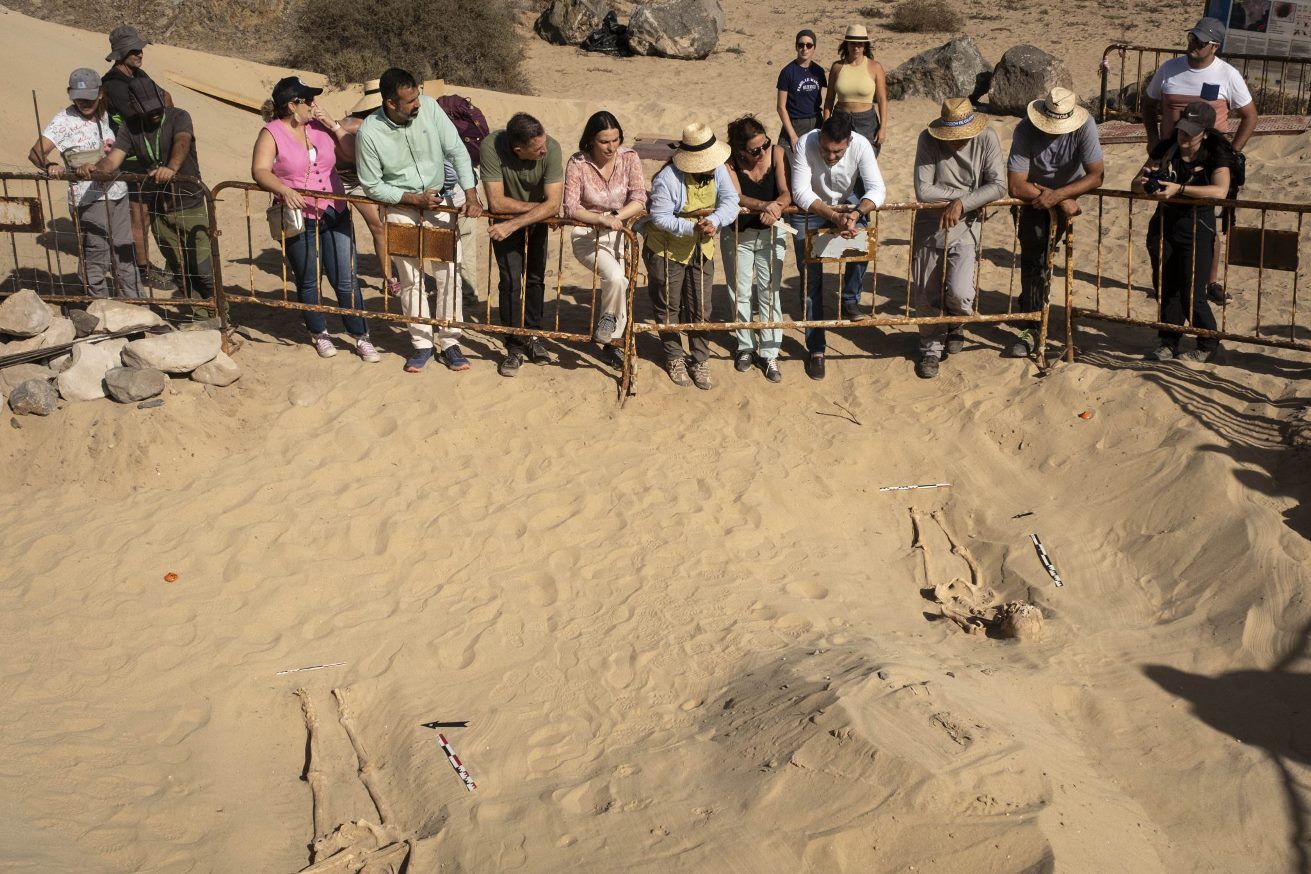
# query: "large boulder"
[[115, 315], [128, 385], [179, 352], [1023, 75], [36, 397], [84, 380], [220, 372], [12, 377], [24, 314], [59, 331], [569, 22], [956, 69], [684, 29]]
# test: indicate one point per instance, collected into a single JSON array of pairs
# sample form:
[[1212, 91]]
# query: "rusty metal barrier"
[[268, 281], [1279, 85], [1259, 263], [897, 257], [44, 244]]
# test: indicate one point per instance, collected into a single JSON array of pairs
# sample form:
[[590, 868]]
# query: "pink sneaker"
[[364, 349], [393, 285], [323, 345]]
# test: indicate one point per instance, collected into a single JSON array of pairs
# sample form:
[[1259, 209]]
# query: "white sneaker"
[[323, 345], [364, 348]]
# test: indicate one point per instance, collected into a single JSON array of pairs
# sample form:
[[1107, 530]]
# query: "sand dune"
[[689, 635]]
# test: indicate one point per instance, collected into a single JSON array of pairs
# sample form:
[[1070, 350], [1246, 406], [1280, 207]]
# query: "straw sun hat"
[[699, 151], [1057, 113], [856, 33], [372, 98], [958, 121]]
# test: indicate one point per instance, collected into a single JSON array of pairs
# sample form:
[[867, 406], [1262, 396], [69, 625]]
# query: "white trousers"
[[603, 251], [410, 273]]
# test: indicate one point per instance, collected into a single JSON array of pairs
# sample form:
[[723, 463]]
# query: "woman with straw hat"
[[692, 197], [857, 85], [958, 162], [1056, 156]]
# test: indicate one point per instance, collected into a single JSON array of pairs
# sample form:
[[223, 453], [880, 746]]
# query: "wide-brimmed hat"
[[83, 84], [1057, 113], [958, 121], [123, 41], [856, 33], [699, 151], [372, 98]]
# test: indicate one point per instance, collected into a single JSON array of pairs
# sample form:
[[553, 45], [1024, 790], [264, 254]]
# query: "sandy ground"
[[686, 635]]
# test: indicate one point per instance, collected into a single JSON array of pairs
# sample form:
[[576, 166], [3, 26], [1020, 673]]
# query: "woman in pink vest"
[[298, 149]]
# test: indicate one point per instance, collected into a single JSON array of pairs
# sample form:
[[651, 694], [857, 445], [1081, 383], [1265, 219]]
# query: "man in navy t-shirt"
[[801, 87]]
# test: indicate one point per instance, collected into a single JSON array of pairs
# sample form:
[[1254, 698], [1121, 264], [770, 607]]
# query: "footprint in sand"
[[809, 589]]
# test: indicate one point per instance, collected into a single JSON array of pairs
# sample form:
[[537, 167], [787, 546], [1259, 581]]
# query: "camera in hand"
[[1153, 181]]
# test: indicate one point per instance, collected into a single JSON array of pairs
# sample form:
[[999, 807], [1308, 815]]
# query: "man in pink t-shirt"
[[1198, 74]]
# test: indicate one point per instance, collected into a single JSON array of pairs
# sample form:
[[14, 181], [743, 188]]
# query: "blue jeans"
[[327, 248], [812, 279]]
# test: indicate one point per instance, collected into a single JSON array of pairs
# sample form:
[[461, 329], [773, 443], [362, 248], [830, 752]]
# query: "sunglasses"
[[805, 45], [759, 150], [308, 101]]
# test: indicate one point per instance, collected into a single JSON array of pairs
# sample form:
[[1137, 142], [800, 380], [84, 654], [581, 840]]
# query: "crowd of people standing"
[[400, 148]]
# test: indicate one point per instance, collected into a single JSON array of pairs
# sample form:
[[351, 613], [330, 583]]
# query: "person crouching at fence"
[[81, 135], [604, 187], [1056, 156], [298, 149], [829, 165], [401, 152], [163, 140], [957, 160], [523, 176], [754, 245], [1195, 162], [692, 197]]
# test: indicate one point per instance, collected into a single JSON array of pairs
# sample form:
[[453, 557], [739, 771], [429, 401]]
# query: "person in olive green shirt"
[[523, 176]]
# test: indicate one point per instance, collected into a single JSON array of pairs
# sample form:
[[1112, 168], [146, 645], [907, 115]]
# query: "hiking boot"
[[536, 352], [771, 371], [156, 278], [1022, 347], [613, 356], [323, 345], [510, 365], [1198, 356], [815, 365], [1163, 353], [955, 343], [851, 312], [927, 367], [742, 361], [701, 375], [1216, 294], [454, 359], [677, 370], [605, 328], [365, 349]]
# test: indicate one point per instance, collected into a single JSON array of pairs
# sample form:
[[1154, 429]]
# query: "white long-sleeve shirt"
[[812, 179]]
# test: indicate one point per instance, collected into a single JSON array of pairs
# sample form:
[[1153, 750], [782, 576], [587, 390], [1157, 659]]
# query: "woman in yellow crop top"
[[856, 84]]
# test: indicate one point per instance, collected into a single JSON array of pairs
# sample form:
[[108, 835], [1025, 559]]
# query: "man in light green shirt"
[[401, 152]]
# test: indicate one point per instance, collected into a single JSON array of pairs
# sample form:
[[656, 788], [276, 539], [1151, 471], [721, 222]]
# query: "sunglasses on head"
[[759, 150]]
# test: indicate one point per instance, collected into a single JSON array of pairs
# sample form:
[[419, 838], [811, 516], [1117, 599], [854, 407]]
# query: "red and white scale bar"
[[451, 757]]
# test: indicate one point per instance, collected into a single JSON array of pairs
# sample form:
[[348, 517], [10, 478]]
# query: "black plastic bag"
[[611, 38]]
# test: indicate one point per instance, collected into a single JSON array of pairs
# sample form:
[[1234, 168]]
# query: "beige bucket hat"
[[699, 151], [1057, 113], [958, 121]]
